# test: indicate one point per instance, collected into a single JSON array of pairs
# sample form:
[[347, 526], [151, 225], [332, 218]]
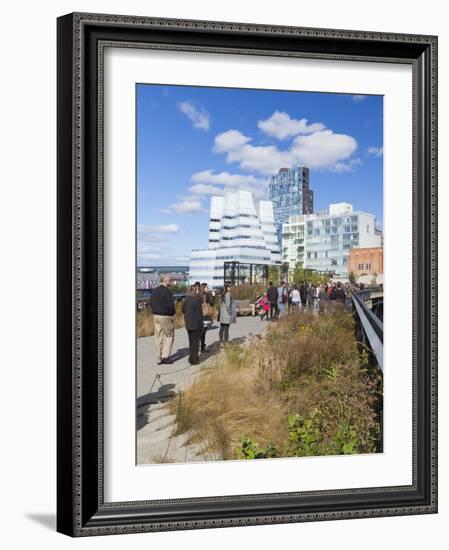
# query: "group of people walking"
[[278, 300], [199, 309], [199, 312]]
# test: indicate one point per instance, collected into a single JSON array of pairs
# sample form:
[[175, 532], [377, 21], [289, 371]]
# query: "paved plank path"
[[156, 439]]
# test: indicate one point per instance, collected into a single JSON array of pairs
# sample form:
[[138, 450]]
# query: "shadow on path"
[[161, 395], [179, 354], [215, 348], [168, 390]]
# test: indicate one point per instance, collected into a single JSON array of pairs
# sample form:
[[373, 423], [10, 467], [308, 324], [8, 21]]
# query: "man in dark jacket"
[[303, 294], [193, 320], [340, 294], [272, 296], [163, 307]]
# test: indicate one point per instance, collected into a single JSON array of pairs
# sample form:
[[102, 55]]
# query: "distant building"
[[322, 241], [381, 234], [147, 278], [290, 194], [366, 261], [150, 277], [238, 232]]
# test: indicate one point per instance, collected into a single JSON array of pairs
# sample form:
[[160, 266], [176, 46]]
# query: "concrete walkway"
[[156, 441]]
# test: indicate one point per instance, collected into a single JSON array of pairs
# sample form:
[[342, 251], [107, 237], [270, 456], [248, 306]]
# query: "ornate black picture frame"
[[81, 510]]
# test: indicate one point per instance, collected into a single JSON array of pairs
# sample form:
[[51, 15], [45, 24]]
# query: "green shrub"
[[249, 450], [346, 441], [305, 438], [304, 435], [247, 291]]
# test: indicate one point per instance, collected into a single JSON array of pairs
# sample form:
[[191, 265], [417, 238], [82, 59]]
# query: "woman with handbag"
[[208, 313], [227, 313], [193, 320]]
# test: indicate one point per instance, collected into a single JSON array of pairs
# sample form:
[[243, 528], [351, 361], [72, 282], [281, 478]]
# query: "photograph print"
[[259, 274]]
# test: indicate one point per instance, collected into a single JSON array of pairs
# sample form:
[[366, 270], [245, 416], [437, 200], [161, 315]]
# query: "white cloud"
[[152, 238], [229, 141], [209, 183], [168, 228], [280, 125], [224, 178], [341, 167], [154, 244], [159, 254], [357, 98], [375, 151], [319, 150], [205, 189], [323, 149], [190, 205], [264, 159], [196, 113]]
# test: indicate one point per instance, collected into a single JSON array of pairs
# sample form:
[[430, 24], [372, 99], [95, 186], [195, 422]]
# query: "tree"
[[284, 272], [274, 274], [352, 278], [179, 288], [298, 273]]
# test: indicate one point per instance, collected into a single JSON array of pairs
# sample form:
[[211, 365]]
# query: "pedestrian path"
[[156, 384]]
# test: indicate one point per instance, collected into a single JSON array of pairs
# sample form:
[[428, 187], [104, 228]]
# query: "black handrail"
[[374, 321]]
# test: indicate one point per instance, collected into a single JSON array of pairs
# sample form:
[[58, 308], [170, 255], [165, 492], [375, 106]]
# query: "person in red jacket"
[[264, 306]]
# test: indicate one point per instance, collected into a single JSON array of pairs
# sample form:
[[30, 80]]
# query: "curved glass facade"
[[238, 232]]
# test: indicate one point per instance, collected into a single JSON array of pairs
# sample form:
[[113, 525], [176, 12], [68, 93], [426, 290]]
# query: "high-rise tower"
[[290, 194]]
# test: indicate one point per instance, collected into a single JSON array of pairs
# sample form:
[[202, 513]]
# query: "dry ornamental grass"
[[305, 389], [145, 323]]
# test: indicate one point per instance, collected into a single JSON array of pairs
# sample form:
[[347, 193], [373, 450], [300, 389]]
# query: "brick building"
[[366, 261]]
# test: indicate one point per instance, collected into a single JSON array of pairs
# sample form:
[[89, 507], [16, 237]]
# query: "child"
[[264, 306]]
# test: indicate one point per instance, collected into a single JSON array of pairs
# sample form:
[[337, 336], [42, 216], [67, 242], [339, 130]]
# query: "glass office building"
[[238, 233], [290, 194], [322, 241]]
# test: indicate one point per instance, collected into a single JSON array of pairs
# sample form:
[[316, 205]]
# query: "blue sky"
[[193, 142]]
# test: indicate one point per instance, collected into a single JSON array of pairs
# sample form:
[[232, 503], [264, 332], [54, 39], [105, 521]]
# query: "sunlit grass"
[[306, 363]]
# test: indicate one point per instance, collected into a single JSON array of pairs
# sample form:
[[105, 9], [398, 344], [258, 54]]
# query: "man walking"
[[340, 294], [163, 307], [303, 294], [310, 296], [282, 298], [272, 295]]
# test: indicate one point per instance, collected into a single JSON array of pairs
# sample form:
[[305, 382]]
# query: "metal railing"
[[371, 325]]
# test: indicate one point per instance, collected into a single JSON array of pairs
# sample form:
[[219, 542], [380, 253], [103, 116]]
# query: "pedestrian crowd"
[[291, 298], [199, 311], [200, 307]]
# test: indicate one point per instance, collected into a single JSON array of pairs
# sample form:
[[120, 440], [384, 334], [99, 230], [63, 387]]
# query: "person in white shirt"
[[282, 298], [295, 298]]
